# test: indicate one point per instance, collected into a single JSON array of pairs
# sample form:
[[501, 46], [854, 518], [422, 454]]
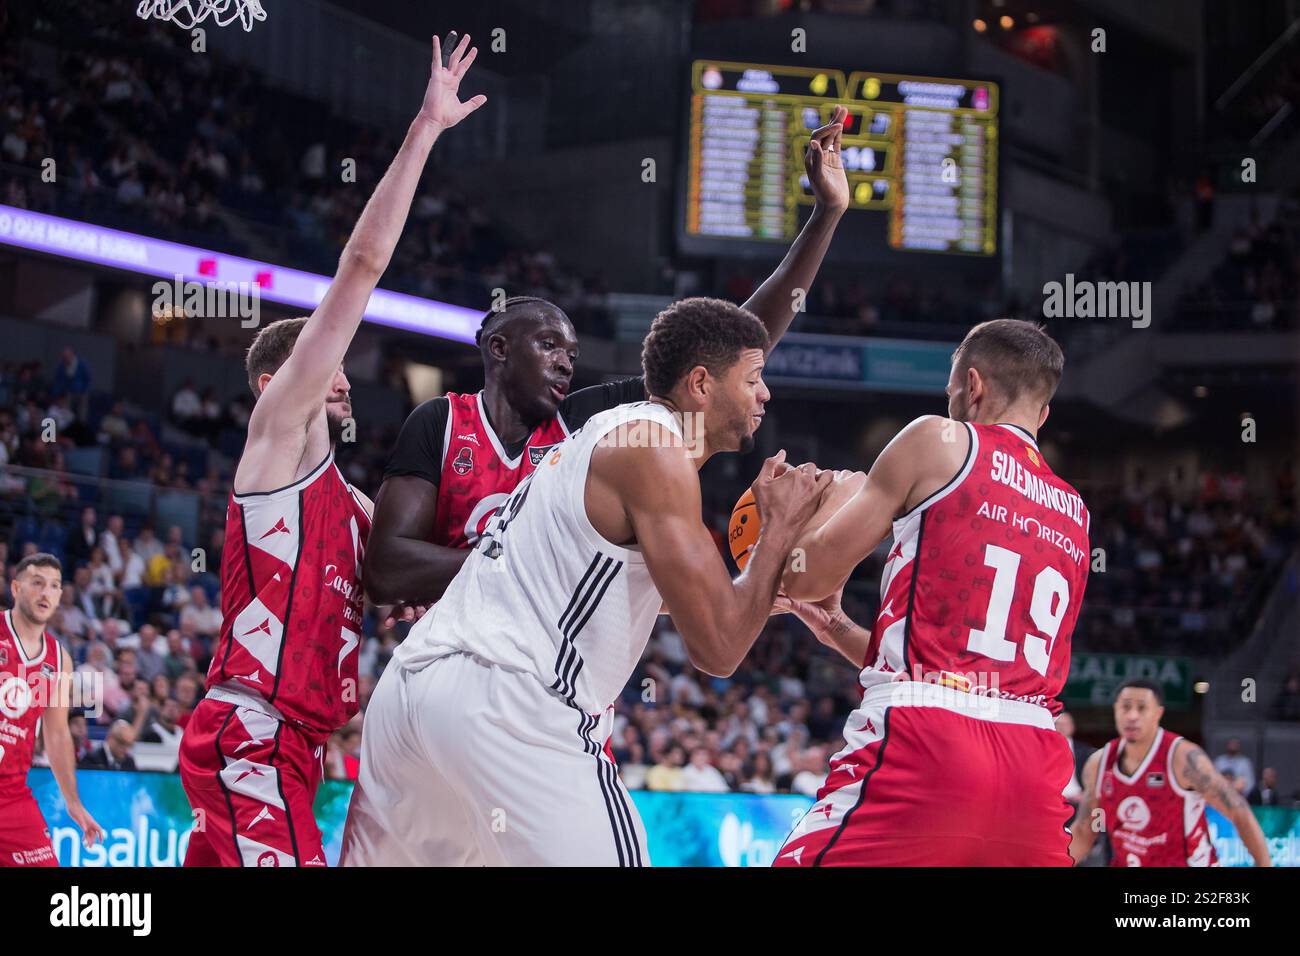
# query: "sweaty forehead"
[[751, 359]]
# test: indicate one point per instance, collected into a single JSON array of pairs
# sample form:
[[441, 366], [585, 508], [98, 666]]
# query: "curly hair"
[[697, 331]]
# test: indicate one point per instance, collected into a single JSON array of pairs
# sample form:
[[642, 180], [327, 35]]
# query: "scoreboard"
[[921, 157]]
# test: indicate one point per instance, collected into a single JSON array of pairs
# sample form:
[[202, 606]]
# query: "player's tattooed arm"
[[829, 624], [777, 300], [401, 565], [293, 396], [1088, 822], [1194, 771]]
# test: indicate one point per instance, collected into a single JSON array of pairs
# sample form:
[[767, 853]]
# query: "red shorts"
[[929, 786], [24, 838], [251, 780]]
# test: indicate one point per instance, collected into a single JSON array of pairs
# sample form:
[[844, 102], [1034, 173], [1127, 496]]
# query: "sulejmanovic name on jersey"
[[543, 591]]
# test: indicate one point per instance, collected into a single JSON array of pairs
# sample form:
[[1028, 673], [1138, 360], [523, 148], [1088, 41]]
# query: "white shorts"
[[467, 764]]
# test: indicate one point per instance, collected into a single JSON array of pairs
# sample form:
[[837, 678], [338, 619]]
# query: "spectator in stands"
[[115, 752], [1233, 761], [161, 727], [70, 621], [186, 407], [187, 696], [133, 567], [109, 540], [812, 771], [82, 539], [81, 745], [176, 595], [147, 545], [72, 379], [701, 775], [101, 586], [158, 569], [113, 427], [666, 774], [1287, 704], [758, 774], [149, 662], [1266, 794], [180, 657], [201, 615]]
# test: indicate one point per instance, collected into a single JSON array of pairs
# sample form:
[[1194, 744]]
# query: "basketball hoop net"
[[187, 14]]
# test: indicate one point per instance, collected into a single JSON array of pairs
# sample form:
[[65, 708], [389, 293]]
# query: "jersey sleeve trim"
[[292, 487], [972, 450]]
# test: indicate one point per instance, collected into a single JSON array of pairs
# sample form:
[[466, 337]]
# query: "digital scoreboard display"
[[920, 154]]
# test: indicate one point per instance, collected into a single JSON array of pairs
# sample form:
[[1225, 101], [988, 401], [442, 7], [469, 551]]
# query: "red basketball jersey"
[[1151, 820], [291, 598], [27, 685], [984, 580], [477, 474]]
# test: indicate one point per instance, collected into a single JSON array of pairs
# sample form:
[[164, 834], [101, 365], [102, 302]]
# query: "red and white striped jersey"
[[1150, 819], [291, 599], [983, 583], [27, 685]]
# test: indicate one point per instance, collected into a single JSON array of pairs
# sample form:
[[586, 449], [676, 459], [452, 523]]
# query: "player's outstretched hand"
[[442, 106], [91, 832], [789, 496], [824, 164], [818, 616]]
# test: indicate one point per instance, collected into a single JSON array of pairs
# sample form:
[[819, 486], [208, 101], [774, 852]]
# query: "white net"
[[189, 13]]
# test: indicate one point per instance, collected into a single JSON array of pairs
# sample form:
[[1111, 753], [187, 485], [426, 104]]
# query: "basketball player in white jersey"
[[484, 741]]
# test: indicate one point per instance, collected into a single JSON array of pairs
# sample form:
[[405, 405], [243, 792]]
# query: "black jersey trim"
[[972, 448], [862, 793], [305, 479]]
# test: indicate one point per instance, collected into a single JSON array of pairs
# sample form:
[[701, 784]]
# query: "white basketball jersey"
[[542, 591]]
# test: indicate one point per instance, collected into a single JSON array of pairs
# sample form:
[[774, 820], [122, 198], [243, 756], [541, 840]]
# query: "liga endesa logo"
[[20, 692]]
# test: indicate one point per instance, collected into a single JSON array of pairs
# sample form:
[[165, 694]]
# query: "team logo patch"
[[464, 462], [1033, 455], [535, 455], [1134, 813], [15, 697], [1108, 786], [1155, 779]]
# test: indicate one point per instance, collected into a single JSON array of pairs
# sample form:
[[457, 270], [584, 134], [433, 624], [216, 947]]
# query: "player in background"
[[35, 676], [952, 758], [485, 738], [459, 456], [1151, 788], [284, 670]]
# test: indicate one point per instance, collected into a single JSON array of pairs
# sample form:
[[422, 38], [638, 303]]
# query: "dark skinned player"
[[459, 456]]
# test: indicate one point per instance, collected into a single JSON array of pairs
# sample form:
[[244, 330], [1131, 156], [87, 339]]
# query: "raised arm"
[[296, 393], [920, 459], [1084, 830], [719, 619], [774, 301], [1194, 771]]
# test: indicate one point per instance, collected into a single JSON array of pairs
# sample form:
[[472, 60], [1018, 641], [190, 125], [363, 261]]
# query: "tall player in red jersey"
[[284, 671], [952, 758], [1147, 790], [459, 456], [35, 672]]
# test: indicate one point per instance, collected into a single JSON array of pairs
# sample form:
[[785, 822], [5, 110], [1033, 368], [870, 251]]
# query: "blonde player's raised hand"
[[442, 104]]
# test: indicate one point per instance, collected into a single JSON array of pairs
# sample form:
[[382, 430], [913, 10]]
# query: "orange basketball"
[[742, 532]]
